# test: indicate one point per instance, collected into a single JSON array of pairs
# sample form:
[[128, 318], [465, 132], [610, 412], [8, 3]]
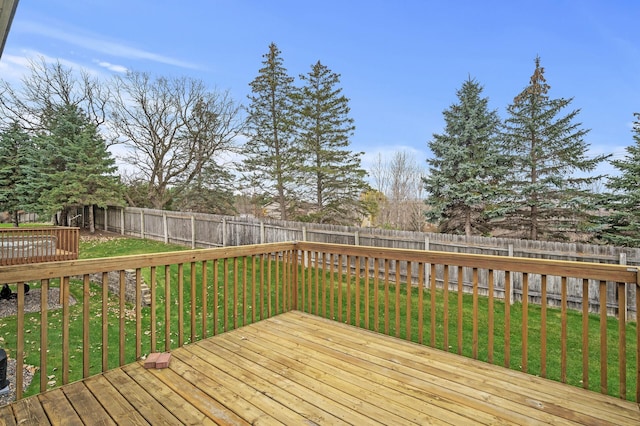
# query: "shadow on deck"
[[297, 368]]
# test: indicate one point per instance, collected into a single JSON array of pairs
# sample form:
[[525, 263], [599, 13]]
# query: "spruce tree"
[[270, 160], [466, 161], [75, 169], [15, 149], [623, 204], [547, 149], [331, 179]]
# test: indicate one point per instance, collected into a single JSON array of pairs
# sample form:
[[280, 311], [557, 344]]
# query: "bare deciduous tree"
[[173, 128], [400, 180], [49, 85]]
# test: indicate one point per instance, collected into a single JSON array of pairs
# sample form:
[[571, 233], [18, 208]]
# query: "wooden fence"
[[199, 230]]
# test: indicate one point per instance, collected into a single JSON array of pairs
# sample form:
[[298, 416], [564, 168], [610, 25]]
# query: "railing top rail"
[[37, 228], [588, 270], [30, 272], [596, 271]]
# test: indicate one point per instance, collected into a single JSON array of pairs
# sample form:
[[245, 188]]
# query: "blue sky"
[[400, 61]]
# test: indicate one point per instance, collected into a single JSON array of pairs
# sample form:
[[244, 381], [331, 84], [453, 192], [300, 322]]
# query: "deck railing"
[[596, 347], [193, 294], [41, 244], [199, 293]]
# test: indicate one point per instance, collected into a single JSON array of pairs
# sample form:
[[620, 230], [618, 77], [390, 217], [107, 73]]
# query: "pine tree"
[[270, 160], [15, 148], [546, 150], [465, 163], [623, 221], [75, 169], [331, 178]]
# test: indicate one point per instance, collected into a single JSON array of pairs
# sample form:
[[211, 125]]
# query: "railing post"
[[512, 286], [294, 279], [427, 275], [623, 314]]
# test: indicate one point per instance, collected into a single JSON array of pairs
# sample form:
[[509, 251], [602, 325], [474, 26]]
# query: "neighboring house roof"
[[7, 10]]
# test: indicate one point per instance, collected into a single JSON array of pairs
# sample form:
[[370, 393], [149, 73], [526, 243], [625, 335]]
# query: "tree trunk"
[[64, 214], [534, 223], [92, 222], [467, 223], [16, 219]]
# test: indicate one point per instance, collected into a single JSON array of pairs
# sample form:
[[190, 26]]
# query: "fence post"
[[262, 237], [224, 232], [357, 238], [193, 232], [142, 224], [165, 228], [106, 227], [623, 261], [122, 221], [304, 233]]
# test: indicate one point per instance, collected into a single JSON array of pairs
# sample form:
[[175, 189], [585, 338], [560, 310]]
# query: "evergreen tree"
[[546, 150], [75, 168], [623, 221], [331, 179], [270, 160], [15, 148], [465, 163]]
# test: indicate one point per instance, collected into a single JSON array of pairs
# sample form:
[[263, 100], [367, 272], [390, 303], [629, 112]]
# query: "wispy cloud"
[[112, 67], [95, 43]]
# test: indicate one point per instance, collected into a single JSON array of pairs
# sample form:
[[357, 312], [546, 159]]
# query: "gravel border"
[[28, 370]]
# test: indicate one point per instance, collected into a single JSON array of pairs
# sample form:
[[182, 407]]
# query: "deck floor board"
[[297, 368]]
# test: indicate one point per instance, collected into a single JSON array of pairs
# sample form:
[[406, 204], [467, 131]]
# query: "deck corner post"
[[294, 279]]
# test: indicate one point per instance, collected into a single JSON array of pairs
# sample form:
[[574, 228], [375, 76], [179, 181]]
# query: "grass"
[[239, 275]]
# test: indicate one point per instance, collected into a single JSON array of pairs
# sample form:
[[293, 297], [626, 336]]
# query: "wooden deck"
[[296, 368]]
